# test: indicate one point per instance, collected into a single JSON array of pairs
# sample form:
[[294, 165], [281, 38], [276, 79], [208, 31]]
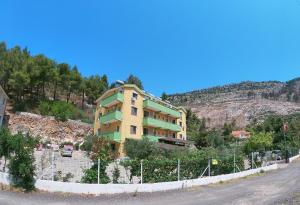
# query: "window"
[[134, 96], [174, 136], [180, 123], [145, 131], [133, 129], [118, 128], [146, 114], [174, 122], [134, 111]]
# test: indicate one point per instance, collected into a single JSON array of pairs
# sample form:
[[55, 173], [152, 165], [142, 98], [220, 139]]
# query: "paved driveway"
[[276, 187]]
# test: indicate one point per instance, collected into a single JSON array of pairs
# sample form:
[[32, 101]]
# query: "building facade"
[[127, 112], [3, 102]]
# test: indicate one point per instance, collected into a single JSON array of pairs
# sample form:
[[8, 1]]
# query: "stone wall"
[[48, 128]]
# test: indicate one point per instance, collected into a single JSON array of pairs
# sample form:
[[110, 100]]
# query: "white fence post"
[[252, 161], [209, 167], [141, 171], [178, 170], [52, 166], [98, 171]]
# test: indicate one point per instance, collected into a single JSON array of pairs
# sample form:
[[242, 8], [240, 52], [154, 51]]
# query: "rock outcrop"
[[242, 102], [47, 128]]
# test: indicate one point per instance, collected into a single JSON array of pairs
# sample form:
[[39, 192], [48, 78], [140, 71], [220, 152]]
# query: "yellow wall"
[[128, 119], [182, 119]]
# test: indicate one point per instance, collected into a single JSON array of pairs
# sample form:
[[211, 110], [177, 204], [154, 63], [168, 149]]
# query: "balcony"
[[160, 108], [151, 122], [112, 100], [152, 138], [111, 117], [115, 136]]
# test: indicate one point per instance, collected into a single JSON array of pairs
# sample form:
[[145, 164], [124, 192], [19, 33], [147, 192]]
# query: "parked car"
[[55, 147], [67, 151]]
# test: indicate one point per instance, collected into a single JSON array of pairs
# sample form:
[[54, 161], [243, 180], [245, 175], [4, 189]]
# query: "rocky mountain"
[[242, 102]]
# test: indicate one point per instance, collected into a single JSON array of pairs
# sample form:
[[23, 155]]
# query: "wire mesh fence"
[[51, 165]]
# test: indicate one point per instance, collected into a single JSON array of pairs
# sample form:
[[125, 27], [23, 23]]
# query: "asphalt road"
[[277, 187]]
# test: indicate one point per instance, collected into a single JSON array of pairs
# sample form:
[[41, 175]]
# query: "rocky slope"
[[242, 102], [48, 128]]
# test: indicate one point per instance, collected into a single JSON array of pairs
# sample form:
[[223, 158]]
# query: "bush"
[[91, 175], [21, 162], [140, 149], [61, 110], [192, 165]]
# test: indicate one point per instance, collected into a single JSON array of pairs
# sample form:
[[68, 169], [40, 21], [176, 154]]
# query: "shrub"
[[21, 164], [140, 149]]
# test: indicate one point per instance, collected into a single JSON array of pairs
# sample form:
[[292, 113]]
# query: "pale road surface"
[[276, 187]]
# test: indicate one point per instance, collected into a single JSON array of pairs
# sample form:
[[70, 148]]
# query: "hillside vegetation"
[[243, 102], [38, 84]]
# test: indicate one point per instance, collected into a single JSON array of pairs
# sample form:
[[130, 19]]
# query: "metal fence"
[[50, 165]]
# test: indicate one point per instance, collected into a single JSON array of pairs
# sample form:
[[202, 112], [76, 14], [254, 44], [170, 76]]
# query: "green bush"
[[192, 165], [21, 162], [91, 175], [62, 111]]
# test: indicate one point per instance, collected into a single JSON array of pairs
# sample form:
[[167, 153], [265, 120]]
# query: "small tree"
[[102, 150], [140, 149], [259, 142], [21, 164], [134, 80], [5, 145]]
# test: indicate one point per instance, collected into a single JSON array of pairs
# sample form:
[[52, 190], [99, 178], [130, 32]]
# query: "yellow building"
[[129, 112]]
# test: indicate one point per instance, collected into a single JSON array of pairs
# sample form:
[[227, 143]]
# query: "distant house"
[[241, 134], [3, 101]]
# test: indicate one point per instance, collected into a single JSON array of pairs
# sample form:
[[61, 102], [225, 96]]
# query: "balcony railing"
[[113, 99], [111, 117], [161, 124], [161, 108], [115, 136]]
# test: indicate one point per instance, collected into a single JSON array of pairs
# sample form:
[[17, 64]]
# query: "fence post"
[[252, 162], [98, 171], [178, 170], [52, 166], [209, 167], [234, 163], [141, 171]]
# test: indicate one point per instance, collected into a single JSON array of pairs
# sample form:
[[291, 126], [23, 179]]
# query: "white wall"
[[97, 189]]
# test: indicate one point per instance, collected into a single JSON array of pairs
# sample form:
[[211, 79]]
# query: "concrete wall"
[[97, 189]]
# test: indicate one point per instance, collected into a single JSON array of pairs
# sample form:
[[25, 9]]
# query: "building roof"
[[240, 133], [2, 90], [140, 91]]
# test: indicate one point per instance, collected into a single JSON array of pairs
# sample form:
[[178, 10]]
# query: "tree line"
[[27, 77]]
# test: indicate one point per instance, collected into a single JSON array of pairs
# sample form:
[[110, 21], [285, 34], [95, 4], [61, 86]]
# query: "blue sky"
[[192, 44]]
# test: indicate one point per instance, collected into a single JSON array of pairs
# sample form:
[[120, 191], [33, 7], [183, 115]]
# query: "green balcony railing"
[[161, 108], [115, 136], [111, 117], [152, 138], [117, 97], [148, 121]]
